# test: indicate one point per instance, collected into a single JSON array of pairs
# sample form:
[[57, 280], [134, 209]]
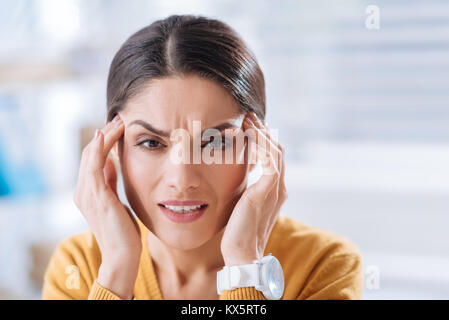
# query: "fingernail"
[[253, 118], [97, 134], [251, 124], [257, 119], [253, 115], [116, 119]]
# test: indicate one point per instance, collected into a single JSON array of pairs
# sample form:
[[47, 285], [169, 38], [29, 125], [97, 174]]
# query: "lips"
[[183, 202], [183, 210]]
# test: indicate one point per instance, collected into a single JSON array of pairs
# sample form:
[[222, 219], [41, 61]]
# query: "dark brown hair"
[[183, 45]]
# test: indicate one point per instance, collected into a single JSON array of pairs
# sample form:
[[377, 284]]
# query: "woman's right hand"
[[114, 227]]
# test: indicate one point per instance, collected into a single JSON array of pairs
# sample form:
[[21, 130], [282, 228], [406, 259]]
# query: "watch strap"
[[231, 277]]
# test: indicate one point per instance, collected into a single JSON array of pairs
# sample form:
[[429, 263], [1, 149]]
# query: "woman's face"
[[150, 175]]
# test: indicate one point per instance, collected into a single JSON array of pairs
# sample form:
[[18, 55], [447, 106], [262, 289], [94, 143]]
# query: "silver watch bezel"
[[265, 272]]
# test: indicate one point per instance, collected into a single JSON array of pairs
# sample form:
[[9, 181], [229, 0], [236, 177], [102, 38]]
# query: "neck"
[[183, 265]]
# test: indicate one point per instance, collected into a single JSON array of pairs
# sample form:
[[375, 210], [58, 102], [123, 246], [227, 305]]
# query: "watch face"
[[275, 278]]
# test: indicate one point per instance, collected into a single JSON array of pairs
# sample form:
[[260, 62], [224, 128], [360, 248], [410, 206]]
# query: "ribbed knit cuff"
[[243, 293], [100, 293]]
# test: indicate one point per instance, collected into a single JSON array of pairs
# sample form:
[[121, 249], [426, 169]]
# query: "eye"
[[218, 144], [150, 144]]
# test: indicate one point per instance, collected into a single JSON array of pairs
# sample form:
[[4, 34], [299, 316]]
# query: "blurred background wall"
[[362, 107]]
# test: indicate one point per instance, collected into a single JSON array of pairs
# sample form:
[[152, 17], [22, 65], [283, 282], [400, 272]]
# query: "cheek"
[[138, 168], [228, 180], [139, 180]]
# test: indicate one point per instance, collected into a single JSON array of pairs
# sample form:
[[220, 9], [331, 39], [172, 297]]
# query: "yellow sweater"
[[317, 264]]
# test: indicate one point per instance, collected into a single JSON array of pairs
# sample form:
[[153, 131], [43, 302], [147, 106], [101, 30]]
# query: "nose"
[[183, 177]]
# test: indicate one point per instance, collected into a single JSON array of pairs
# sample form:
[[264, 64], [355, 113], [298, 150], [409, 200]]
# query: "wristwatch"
[[265, 274]]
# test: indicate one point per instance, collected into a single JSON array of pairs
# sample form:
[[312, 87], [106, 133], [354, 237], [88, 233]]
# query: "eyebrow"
[[162, 133], [149, 127]]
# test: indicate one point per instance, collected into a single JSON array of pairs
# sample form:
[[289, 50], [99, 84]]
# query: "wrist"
[[119, 257], [266, 275], [237, 260], [119, 278]]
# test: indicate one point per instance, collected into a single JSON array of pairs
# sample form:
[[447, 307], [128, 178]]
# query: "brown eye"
[[150, 144]]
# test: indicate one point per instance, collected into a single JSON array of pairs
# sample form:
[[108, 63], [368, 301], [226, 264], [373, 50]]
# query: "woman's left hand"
[[249, 227]]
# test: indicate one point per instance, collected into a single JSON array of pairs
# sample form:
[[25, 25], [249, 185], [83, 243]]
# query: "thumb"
[[110, 174]]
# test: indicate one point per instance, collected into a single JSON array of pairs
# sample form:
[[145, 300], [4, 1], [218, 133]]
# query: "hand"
[[115, 229], [255, 214]]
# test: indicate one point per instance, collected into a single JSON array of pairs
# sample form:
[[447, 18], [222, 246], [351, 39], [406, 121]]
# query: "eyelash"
[[224, 141], [141, 145]]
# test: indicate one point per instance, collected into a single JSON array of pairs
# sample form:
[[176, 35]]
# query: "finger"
[[110, 174], [264, 138], [262, 127], [268, 180], [278, 194], [113, 135], [263, 187], [274, 201], [263, 132], [269, 184], [252, 141], [283, 169], [279, 198], [268, 151], [110, 125], [86, 168], [95, 162], [88, 150], [94, 157]]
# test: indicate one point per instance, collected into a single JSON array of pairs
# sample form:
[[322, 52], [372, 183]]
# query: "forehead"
[[175, 100]]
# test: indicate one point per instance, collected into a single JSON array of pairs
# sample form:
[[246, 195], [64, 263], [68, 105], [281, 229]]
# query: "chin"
[[185, 240]]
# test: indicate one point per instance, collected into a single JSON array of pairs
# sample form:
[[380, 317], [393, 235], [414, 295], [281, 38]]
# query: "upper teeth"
[[182, 208]]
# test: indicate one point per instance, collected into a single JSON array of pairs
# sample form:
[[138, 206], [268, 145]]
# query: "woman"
[[194, 218]]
